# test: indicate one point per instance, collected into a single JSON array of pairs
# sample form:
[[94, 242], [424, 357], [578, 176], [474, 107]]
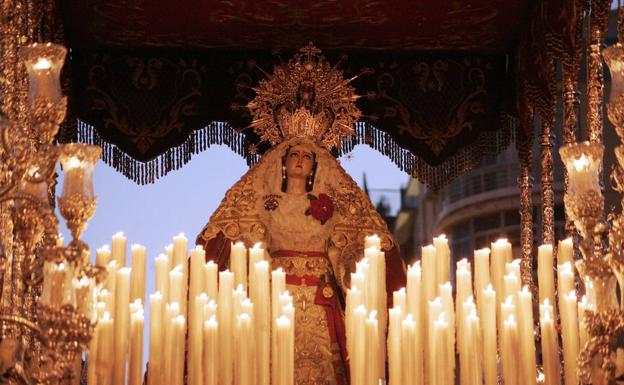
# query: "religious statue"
[[309, 213]]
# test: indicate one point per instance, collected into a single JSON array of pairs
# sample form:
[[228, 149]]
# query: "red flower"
[[321, 207]]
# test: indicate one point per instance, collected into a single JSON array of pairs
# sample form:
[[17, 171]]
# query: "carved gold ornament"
[[305, 97]]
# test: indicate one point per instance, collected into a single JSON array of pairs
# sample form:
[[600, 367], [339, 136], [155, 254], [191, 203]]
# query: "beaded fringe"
[[172, 159], [435, 177]]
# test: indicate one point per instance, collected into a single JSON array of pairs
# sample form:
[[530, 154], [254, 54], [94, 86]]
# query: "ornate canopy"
[[443, 83]]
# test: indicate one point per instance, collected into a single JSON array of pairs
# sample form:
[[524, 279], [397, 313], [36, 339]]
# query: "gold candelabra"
[[46, 303], [601, 238]]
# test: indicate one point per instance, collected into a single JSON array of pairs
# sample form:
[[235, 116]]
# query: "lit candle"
[[74, 176], [176, 284], [372, 241], [256, 254], [357, 364], [565, 281], [139, 255], [525, 336], [172, 310], [238, 264], [565, 251], [162, 276], [102, 256], [498, 259], [260, 292], [414, 289], [482, 273], [394, 346], [435, 308], [283, 326], [211, 282], [180, 250], [198, 260], [489, 335], [550, 346], [570, 336], [210, 309], [441, 341], [411, 365], [443, 252], [179, 333], [119, 249], [194, 363], [210, 351], [122, 318], [372, 348], [135, 364], [399, 298], [446, 295], [245, 357], [155, 341], [545, 274], [508, 349], [106, 353], [224, 310]]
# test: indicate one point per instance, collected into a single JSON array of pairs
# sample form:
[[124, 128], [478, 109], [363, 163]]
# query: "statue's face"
[[299, 162]]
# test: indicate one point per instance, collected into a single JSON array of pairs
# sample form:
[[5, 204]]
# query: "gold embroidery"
[[303, 265]]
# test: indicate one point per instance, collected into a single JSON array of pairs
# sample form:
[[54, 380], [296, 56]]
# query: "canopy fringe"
[[148, 172], [434, 177]]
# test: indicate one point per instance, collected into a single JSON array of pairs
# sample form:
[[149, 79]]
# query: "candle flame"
[[581, 163], [42, 64]]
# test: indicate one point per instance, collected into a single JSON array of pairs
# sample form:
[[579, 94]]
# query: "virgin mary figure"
[[307, 211]]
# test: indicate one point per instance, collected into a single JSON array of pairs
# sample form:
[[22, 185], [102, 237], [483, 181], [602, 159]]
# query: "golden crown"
[[307, 98]]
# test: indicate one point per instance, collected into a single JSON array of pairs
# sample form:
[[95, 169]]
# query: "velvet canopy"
[[442, 83]]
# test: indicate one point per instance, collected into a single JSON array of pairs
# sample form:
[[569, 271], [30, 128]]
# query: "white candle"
[[372, 348], [414, 289], [211, 282], [399, 298], [260, 292], [498, 259], [172, 310], [238, 264], [482, 273], [550, 346], [196, 317], [409, 364], [446, 295], [525, 336], [225, 309], [565, 251], [211, 351], [570, 336], [137, 289], [256, 254], [119, 249], [122, 297], [443, 270], [285, 361], [106, 351], [394, 346], [565, 281], [509, 349], [489, 335], [177, 367], [198, 260], [246, 353], [545, 274], [372, 241], [162, 276], [176, 286], [180, 250], [135, 364], [441, 340], [357, 363], [156, 333], [102, 256]]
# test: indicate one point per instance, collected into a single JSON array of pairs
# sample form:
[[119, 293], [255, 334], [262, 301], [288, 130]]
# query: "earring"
[[283, 172], [310, 179]]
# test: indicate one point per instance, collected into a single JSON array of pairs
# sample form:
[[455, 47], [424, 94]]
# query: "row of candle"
[[421, 340], [226, 323], [366, 316]]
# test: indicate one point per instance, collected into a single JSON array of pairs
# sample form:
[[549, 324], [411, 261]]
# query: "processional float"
[[58, 310]]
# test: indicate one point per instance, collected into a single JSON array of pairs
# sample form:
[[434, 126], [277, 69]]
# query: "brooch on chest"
[[271, 202]]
